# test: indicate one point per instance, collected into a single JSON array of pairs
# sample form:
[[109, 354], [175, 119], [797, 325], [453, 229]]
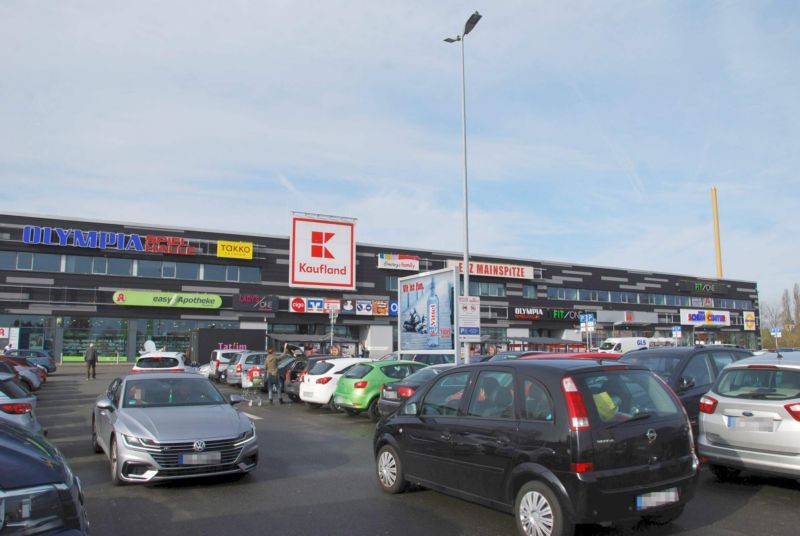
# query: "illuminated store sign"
[[492, 269], [705, 317], [141, 298], [235, 250], [702, 287], [255, 302], [78, 238], [528, 313]]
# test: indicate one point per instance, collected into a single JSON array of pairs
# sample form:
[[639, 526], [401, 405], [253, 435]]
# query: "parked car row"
[[19, 380]]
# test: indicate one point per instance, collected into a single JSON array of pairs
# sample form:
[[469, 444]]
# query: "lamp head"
[[471, 22]]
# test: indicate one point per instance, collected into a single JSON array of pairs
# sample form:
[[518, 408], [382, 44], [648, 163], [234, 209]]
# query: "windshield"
[[157, 362], [759, 383], [663, 365], [607, 345], [170, 392]]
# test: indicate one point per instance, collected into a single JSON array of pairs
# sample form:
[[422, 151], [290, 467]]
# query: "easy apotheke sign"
[[78, 238], [322, 252], [141, 298], [492, 269]]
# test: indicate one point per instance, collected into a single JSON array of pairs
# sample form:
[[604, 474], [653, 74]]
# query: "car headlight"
[[140, 443], [35, 510], [247, 436]]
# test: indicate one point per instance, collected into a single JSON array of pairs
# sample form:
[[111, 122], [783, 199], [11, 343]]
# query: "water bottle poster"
[[425, 311]]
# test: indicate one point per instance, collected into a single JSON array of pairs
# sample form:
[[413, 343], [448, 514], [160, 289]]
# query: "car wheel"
[[372, 410], [665, 517], [116, 470], [539, 512], [390, 470], [293, 398], [95, 445], [351, 412], [334, 406], [724, 474]]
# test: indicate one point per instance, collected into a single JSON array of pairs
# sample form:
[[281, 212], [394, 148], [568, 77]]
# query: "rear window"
[[157, 362], [663, 365], [358, 371], [321, 368], [397, 372], [759, 383], [255, 359], [423, 375], [621, 396], [9, 389]]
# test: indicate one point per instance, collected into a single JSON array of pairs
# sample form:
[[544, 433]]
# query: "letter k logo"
[[318, 241]]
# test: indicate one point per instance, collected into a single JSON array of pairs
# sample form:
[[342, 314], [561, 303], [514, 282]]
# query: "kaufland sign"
[[323, 252]]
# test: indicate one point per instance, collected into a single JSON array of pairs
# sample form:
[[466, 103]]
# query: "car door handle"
[[446, 436]]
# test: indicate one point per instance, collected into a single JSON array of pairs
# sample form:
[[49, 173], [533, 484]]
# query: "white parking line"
[[252, 417]]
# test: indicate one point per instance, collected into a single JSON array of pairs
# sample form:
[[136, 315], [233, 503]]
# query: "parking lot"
[[316, 477]]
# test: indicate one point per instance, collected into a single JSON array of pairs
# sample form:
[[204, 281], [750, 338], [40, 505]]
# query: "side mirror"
[[685, 383], [105, 404], [235, 399], [409, 409]]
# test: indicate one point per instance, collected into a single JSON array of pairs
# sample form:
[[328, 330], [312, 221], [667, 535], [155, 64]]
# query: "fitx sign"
[[322, 252]]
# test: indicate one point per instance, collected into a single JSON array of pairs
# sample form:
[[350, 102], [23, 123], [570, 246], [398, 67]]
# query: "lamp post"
[[468, 26], [332, 315]]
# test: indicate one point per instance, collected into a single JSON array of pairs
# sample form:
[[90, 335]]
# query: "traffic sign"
[[676, 332], [775, 332]]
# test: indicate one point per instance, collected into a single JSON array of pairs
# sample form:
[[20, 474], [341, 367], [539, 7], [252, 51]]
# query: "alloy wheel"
[[387, 469]]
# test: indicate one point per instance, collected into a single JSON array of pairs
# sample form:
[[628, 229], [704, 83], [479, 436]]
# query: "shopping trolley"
[[251, 386]]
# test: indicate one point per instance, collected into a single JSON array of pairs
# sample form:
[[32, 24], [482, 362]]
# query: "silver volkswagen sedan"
[[163, 426]]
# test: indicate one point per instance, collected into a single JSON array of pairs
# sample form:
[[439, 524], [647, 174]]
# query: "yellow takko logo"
[[235, 250]]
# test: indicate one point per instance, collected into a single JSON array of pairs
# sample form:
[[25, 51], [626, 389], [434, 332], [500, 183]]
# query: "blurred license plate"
[[201, 458], [390, 395], [657, 498], [308, 394], [750, 424]]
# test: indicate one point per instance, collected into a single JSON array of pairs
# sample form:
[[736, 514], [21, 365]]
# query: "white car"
[[320, 382], [161, 362]]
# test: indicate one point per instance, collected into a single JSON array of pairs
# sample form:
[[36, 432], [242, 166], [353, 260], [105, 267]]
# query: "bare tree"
[[770, 316], [786, 312], [796, 299]]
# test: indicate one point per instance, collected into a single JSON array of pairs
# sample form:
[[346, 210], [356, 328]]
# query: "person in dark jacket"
[[91, 361]]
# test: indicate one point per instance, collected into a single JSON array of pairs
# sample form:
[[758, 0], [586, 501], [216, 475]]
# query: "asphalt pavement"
[[316, 476]]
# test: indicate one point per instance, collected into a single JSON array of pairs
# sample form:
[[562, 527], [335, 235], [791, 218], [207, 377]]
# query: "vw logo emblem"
[[199, 445], [651, 435]]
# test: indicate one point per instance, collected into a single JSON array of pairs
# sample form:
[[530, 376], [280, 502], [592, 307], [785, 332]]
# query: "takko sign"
[[322, 252], [705, 317], [78, 238], [234, 250], [141, 298], [491, 269]]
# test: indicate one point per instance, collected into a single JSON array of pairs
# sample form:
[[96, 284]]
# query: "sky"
[[595, 130]]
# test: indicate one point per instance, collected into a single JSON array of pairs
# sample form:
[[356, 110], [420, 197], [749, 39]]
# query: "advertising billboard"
[[259, 303], [705, 317], [322, 252], [426, 312]]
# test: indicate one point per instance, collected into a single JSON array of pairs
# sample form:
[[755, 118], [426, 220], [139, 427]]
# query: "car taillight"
[[794, 410], [405, 392], [583, 467], [239, 368], [288, 373], [16, 409], [708, 404], [324, 380], [576, 409], [360, 384]]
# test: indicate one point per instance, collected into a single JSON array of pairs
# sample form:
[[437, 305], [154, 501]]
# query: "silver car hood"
[[185, 423]]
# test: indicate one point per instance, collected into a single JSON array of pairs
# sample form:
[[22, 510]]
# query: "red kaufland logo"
[[318, 241]]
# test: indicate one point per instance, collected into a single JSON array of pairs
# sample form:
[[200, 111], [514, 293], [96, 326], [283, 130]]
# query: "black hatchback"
[[555, 442]]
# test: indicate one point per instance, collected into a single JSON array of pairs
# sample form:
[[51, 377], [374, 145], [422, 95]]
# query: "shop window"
[[214, 272], [249, 274], [168, 270], [487, 289], [46, 262], [8, 260], [148, 268], [391, 282], [119, 266], [24, 261], [616, 297], [99, 265], [78, 265], [584, 294], [571, 294], [187, 270]]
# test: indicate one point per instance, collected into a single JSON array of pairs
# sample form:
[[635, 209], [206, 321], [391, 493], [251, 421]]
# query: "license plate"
[[657, 498], [201, 458], [749, 424], [390, 395], [308, 394]]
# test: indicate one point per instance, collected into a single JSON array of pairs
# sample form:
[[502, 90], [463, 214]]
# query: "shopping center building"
[[64, 283]]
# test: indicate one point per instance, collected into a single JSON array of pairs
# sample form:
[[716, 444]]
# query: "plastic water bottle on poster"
[[433, 316]]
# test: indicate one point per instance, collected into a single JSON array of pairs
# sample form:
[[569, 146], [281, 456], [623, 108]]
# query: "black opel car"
[[556, 442]]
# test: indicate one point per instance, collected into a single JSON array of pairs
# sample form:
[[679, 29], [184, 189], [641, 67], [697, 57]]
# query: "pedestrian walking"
[[91, 361], [273, 381]]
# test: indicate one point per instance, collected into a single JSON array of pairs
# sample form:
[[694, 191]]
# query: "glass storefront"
[[109, 335]]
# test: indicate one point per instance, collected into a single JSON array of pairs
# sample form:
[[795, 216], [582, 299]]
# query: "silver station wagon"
[[750, 420]]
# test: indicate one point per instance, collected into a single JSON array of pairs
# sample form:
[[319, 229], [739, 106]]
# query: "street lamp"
[[332, 315], [468, 26]]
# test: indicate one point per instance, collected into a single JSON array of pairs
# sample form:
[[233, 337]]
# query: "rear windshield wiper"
[[637, 417]]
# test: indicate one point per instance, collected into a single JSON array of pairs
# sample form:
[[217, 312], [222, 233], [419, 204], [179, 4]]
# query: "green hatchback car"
[[360, 387]]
